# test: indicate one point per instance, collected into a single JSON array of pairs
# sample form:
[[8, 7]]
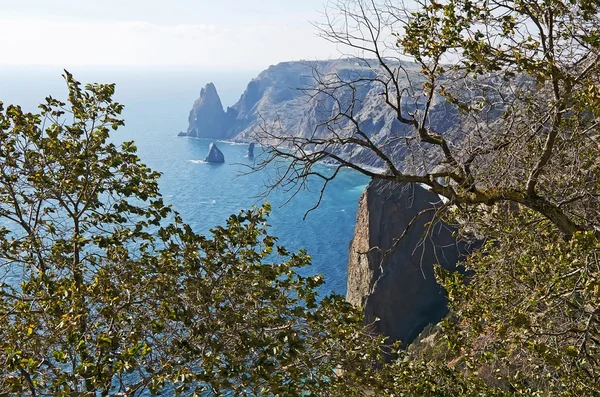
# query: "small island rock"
[[214, 155], [251, 150]]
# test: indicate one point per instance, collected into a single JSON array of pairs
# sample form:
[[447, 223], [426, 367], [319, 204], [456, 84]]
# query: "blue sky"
[[199, 34]]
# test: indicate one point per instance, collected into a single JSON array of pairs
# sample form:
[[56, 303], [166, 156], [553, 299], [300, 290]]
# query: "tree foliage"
[[529, 317], [105, 291], [521, 78], [517, 170]]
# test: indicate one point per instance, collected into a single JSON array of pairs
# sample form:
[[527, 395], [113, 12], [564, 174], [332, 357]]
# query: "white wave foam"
[[233, 143]]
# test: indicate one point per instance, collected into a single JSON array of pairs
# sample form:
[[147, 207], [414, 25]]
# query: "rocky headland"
[[395, 287], [284, 100]]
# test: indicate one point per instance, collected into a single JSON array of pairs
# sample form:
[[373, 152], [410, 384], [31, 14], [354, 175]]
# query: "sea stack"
[[251, 150], [207, 118], [214, 155]]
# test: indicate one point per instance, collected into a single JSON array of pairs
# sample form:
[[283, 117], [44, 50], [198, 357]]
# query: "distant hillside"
[[283, 100]]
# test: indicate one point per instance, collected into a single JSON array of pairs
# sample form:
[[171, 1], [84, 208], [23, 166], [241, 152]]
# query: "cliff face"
[[398, 287], [282, 100], [207, 118]]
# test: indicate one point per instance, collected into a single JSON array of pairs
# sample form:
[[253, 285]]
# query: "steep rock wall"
[[282, 101], [398, 286], [207, 118]]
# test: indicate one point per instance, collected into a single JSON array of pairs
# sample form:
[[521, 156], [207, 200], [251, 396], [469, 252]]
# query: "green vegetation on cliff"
[[519, 172]]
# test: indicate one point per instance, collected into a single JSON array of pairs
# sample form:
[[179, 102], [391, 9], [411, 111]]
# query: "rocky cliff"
[[397, 286], [207, 118], [283, 101]]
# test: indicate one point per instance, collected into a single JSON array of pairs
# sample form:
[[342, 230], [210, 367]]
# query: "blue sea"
[[157, 103]]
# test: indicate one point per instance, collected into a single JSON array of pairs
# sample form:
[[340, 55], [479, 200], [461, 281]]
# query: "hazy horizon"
[[236, 35], [27, 87]]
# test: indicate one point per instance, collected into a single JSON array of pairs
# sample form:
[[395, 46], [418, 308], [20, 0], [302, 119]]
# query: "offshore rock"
[[251, 150], [397, 288], [207, 118], [214, 155]]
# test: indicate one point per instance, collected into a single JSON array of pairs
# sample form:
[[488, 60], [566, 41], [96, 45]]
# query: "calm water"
[[157, 104]]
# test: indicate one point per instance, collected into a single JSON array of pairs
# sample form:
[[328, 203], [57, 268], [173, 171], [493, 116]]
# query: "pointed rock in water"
[[214, 155], [207, 118], [251, 150]]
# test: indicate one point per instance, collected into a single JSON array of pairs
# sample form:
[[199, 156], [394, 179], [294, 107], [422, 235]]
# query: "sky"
[[199, 34]]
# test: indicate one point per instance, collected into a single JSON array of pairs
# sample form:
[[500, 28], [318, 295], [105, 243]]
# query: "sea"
[[157, 104]]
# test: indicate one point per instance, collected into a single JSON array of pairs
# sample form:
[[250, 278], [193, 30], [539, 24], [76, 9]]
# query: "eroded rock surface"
[[207, 118], [282, 101], [214, 154], [398, 287]]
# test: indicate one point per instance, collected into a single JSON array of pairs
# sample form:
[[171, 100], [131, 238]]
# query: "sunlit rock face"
[[287, 100], [397, 289], [207, 118]]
